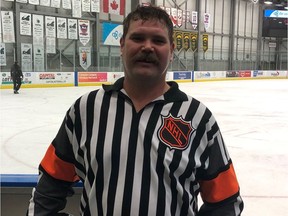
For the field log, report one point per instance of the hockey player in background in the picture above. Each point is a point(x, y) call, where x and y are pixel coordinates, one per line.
point(16, 76)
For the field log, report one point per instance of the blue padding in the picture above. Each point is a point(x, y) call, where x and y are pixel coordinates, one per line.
point(23, 180)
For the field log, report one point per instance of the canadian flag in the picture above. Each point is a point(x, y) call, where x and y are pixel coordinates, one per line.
point(114, 6)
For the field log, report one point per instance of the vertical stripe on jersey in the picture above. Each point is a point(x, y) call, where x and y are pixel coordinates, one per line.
point(146, 170)
point(88, 129)
point(99, 151)
point(129, 175)
point(116, 148)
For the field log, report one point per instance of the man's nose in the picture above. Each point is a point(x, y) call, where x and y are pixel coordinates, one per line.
point(148, 46)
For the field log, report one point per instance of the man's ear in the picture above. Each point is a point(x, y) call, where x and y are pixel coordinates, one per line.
point(121, 42)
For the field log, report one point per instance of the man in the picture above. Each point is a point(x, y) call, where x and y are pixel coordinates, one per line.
point(16, 76)
point(140, 146)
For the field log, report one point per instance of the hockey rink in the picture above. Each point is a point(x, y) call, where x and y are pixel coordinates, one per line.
point(252, 115)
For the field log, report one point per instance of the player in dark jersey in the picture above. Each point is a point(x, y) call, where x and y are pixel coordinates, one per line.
point(140, 146)
point(16, 76)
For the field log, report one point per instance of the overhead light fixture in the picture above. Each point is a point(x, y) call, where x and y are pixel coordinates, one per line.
point(268, 2)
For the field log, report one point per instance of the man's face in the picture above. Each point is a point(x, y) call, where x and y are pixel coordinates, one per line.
point(146, 50)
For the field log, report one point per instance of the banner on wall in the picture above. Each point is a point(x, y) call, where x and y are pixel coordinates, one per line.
point(95, 6)
point(55, 3)
point(86, 5)
point(194, 41)
point(116, 7)
point(38, 58)
point(2, 54)
point(194, 19)
point(186, 40)
point(111, 33)
point(34, 2)
point(205, 42)
point(66, 4)
point(84, 31)
point(7, 27)
point(76, 8)
point(50, 26)
point(22, 1)
point(174, 14)
point(178, 37)
point(45, 3)
point(72, 29)
point(38, 30)
point(51, 45)
point(85, 57)
point(61, 28)
point(207, 21)
point(25, 23)
point(26, 57)
point(179, 18)
point(0, 29)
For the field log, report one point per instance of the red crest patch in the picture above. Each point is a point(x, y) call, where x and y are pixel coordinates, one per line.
point(175, 132)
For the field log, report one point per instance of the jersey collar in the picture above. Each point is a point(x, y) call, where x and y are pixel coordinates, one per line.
point(172, 95)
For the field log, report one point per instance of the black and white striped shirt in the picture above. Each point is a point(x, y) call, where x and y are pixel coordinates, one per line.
point(151, 162)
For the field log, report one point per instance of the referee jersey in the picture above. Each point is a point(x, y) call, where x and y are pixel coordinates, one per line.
point(152, 162)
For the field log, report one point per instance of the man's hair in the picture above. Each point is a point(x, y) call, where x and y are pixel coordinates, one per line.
point(146, 13)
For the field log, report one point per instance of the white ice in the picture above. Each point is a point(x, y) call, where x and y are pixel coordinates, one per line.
point(252, 115)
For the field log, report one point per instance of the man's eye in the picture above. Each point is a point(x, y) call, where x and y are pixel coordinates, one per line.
point(159, 41)
point(136, 38)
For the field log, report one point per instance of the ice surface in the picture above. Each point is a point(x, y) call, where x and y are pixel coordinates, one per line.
point(252, 115)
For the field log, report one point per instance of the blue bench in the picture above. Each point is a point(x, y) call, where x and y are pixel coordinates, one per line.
point(23, 180)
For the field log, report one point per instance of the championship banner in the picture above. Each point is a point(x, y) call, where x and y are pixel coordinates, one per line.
point(66, 4)
point(51, 45)
point(178, 38)
point(194, 19)
point(50, 24)
point(179, 18)
point(85, 57)
point(206, 21)
point(186, 16)
point(72, 29)
point(194, 41)
point(84, 31)
point(7, 27)
point(174, 15)
point(38, 58)
point(111, 33)
point(2, 54)
point(0, 29)
point(55, 3)
point(116, 7)
point(45, 3)
point(61, 28)
point(22, 1)
point(38, 30)
point(186, 40)
point(34, 2)
point(86, 5)
point(95, 6)
point(26, 57)
point(25, 23)
point(205, 42)
point(76, 8)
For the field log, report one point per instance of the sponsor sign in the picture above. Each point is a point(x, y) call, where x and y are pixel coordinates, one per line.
point(90, 77)
point(244, 73)
point(182, 75)
point(2, 54)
